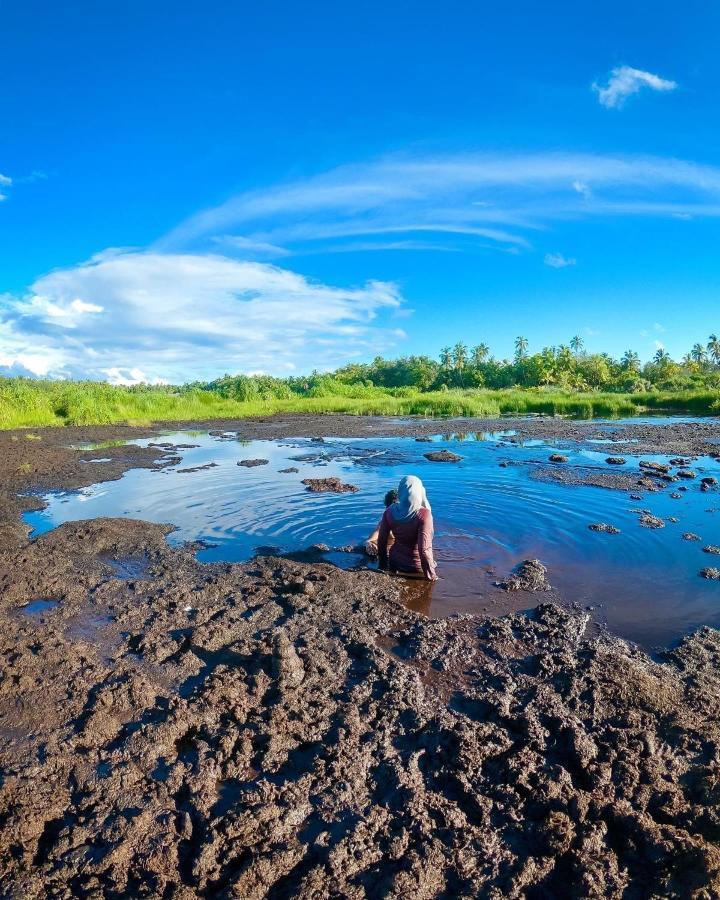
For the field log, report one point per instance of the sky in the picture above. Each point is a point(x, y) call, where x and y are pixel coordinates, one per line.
point(190, 189)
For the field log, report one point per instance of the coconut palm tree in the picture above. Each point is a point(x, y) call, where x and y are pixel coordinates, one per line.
point(446, 358)
point(577, 344)
point(698, 354)
point(662, 357)
point(713, 348)
point(480, 354)
point(521, 346)
point(460, 355)
point(630, 361)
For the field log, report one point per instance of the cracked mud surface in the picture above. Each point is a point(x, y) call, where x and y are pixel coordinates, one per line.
point(177, 730)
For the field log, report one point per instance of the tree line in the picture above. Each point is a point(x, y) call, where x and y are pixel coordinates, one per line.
point(567, 367)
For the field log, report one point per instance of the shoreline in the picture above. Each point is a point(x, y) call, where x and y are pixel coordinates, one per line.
point(277, 727)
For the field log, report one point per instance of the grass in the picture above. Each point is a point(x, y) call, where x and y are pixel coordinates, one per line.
point(26, 403)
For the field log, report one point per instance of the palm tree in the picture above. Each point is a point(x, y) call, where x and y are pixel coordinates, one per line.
point(577, 344)
point(698, 354)
point(630, 361)
point(521, 346)
point(445, 357)
point(662, 357)
point(713, 348)
point(480, 354)
point(460, 355)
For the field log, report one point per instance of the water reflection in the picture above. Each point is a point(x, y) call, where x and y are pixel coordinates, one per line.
point(490, 513)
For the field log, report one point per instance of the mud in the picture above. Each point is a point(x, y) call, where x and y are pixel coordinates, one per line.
point(530, 575)
point(442, 456)
point(177, 730)
point(329, 486)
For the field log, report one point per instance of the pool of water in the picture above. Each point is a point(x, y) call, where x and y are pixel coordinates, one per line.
point(642, 583)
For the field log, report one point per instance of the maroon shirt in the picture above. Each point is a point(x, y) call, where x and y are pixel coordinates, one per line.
point(412, 550)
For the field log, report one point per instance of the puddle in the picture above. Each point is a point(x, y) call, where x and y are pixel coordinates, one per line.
point(642, 583)
point(38, 607)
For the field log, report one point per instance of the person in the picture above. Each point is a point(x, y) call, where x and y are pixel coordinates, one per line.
point(409, 521)
point(371, 548)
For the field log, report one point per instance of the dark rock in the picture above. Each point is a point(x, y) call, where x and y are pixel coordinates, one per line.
point(711, 573)
point(691, 536)
point(660, 468)
point(649, 521)
point(616, 460)
point(711, 548)
point(686, 473)
point(251, 463)
point(604, 527)
point(558, 458)
point(288, 471)
point(329, 486)
point(442, 456)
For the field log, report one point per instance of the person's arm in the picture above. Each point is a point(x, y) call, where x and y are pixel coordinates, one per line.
point(371, 548)
point(383, 537)
point(424, 545)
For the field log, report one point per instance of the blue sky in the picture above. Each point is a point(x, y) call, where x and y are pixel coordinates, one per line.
point(193, 188)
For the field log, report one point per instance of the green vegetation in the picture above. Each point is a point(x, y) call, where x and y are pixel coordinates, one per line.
point(558, 380)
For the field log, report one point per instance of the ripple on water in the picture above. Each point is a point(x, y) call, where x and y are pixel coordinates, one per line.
point(486, 517)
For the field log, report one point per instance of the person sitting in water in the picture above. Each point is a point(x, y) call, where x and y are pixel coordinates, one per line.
point(371, 547)
point(409, 520)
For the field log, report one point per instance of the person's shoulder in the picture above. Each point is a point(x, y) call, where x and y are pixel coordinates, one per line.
point(424, 513)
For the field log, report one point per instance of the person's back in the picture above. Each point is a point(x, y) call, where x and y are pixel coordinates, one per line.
point(410, 522)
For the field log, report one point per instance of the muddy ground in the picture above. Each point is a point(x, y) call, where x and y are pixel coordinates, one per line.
point(177, 730)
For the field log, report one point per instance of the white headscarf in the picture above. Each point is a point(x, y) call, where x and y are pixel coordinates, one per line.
point(411, 498)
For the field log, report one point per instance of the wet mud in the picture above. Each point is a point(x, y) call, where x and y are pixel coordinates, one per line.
point(174, 729)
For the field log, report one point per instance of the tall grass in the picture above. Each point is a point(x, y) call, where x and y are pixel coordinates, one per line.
point(30, 403)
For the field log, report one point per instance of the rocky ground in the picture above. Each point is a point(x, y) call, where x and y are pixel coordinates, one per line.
point(177, 730)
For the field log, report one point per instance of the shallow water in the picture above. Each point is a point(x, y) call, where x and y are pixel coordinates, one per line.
point(642, 583)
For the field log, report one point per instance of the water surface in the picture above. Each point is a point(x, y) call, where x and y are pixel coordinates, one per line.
point(644, 584)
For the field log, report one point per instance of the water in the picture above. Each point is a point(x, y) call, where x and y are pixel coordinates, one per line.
point(642, 583)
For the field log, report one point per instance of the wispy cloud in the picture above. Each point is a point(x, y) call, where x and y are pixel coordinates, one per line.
point(462, 202)
point(168, 315)
point(558, 261)
point(624, 81)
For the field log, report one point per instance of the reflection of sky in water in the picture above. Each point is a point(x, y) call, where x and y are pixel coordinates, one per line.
point(485, 515)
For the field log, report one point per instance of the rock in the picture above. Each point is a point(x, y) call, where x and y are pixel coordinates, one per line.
point(711, 548)
point(635, 496)
point(648, 484)
point(529, 575)
point(660, 468)
point(558, 458)
point(604, 527)
point(679, 461)
point(251, 463)
point(708, 483)
point(210, 465)
point(329, 486)
point(320, 548)
point(673, 519)
point(616, 460)
point(686, 473)
point(711, 573)
point(691, 536)
point(676, 495)
point(423, 440)
point(288, 471)
point(649, 521)
point(442, 456)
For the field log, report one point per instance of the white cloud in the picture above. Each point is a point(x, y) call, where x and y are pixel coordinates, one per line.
point(5, 180)
point(624, 81)
point(591, 332)
point(462, 202)
point(177, 317)
point(247, 247)
point(659, 345)
point(582, 188)
point(658, 327)
point(558, 261)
